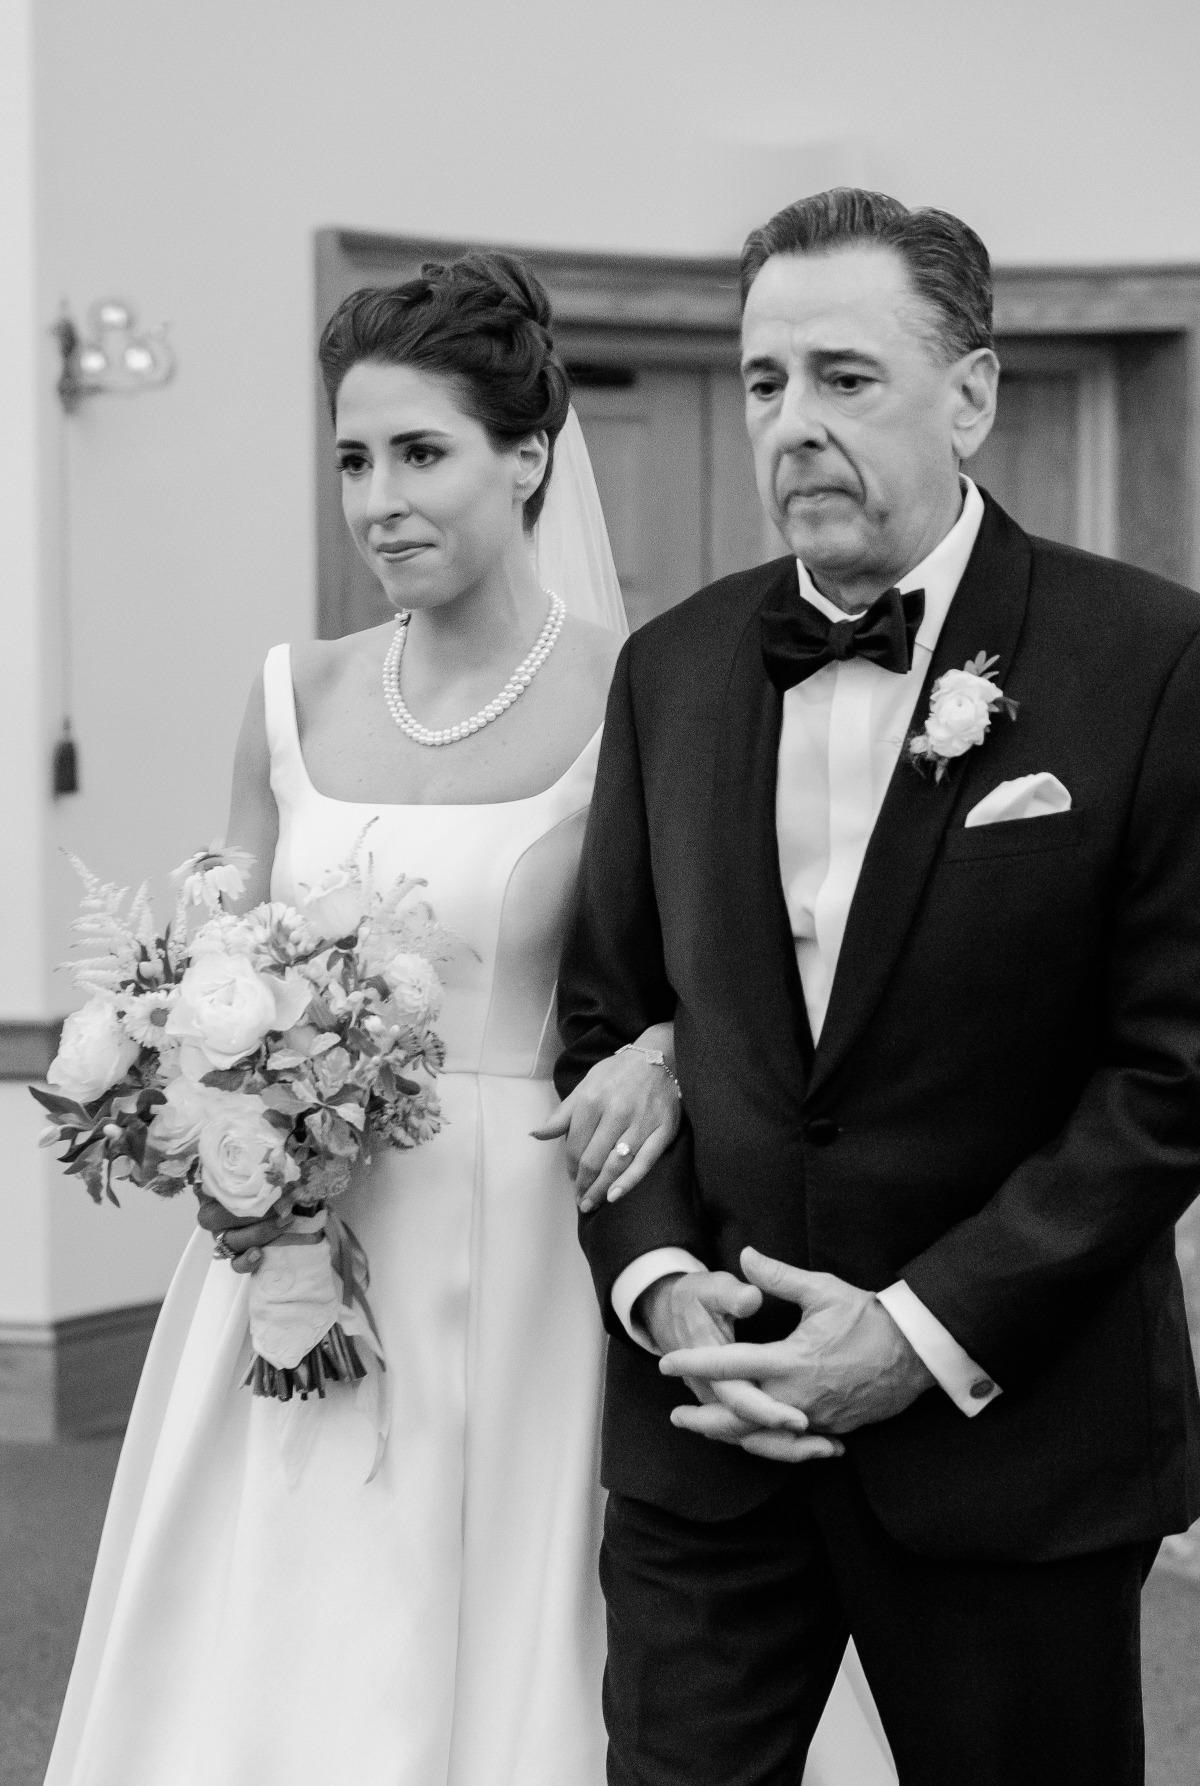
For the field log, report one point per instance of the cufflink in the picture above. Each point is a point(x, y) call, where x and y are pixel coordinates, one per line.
point(981, 1388)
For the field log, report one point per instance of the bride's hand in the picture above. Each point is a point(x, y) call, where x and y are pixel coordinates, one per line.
point(238, 1239)
point(618, 1121)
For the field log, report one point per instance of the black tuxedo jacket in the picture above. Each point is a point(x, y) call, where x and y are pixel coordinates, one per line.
point(1004, 1108)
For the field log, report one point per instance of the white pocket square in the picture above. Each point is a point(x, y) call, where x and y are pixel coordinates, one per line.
point(1028, 797)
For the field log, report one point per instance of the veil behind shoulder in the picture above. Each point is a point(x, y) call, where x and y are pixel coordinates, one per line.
point(570, 542)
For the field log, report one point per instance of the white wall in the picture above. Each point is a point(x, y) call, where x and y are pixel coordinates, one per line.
point(22, 942)
point(186, 153)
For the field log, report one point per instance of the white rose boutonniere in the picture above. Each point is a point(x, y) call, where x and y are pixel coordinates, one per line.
point(962, 705)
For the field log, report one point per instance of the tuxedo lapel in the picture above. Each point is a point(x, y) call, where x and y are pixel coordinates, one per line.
point(754, 949)
point(985, 615)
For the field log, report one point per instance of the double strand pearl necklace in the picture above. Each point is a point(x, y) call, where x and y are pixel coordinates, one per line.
point(513, 689)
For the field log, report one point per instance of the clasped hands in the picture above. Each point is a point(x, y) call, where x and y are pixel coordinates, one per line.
point(846, 1364)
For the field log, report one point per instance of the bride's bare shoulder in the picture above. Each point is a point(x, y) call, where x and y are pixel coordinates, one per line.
point(589, 651)
point(321, 668)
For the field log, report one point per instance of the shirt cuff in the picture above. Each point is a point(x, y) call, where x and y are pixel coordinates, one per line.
point(968, 1386)
point(664, 1261)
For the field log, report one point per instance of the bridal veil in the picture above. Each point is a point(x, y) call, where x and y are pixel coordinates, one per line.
point(570, 542)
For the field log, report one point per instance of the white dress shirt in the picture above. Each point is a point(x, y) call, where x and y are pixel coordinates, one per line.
point(843, 730)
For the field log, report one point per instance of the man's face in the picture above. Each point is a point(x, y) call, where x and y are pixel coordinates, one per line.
point(857, 422)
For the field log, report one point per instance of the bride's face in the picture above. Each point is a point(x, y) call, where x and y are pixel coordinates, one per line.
point(432, 505)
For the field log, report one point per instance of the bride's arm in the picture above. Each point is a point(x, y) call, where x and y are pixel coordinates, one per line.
point(253, 815)
point(253, 827)
point(626, 1102)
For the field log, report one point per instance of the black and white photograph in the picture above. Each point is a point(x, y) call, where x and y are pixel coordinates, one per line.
point(600, 893)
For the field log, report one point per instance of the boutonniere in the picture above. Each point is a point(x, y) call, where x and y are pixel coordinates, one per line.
point(962, 705)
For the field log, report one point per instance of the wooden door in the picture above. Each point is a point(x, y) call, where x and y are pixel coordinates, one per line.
point(643, 433)
point(676, 479)
point(1051, 457)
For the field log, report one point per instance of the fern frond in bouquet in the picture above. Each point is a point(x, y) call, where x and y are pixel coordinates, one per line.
point(256, 1057)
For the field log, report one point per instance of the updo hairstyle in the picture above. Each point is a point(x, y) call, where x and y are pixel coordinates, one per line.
point(483, 321)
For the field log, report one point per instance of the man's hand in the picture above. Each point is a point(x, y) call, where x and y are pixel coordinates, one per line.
point(846, 1365)
point(691, 1314)
point(239, 1240)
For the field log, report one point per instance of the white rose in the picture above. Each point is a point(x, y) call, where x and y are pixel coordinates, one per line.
point(226, 1008)
point(334, 905)
point(415, 988)
point(93, 1054)
point(960, 711)
point(175, 1126)
point(242, 1157)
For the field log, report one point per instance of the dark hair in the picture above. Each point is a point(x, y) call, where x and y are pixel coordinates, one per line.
point(947, 263)
point(483, 321)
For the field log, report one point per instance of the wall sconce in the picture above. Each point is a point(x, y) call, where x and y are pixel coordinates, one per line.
point(117, 357)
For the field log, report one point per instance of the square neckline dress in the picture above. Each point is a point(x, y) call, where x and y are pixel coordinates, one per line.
point(441, 1625)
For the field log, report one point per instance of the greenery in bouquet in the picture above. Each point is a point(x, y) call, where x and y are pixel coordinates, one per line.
point(256, 1057)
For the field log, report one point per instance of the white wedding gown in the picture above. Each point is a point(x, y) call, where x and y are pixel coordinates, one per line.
point(441, 1625)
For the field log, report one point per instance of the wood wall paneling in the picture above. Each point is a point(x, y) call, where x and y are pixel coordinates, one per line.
point(1158, 435)
point(73, 1378)
point(26, 1049)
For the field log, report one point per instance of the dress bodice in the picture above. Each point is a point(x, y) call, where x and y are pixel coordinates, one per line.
point(499, 877)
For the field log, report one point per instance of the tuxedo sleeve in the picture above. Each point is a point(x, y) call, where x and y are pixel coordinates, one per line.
point(613, 985)
point(1013, 1282)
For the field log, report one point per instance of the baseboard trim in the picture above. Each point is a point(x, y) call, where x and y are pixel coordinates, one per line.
point(74, 1378)
point(26, 1049)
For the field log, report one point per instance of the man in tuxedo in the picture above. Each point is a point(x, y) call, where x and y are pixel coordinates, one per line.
point(898, 1342)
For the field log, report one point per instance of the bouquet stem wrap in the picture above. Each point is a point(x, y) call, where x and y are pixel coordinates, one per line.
point(309, 1315)
point(257, 1058)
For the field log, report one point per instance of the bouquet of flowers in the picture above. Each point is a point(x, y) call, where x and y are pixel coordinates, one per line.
point(256, 1057)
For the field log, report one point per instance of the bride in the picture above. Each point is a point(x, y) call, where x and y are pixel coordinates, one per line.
point(441, 1625)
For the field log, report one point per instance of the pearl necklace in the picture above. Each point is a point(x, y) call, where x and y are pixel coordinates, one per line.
point(513, 689)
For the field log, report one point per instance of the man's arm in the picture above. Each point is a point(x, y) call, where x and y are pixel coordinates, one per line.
point(1012, 1281)
point(612, 986)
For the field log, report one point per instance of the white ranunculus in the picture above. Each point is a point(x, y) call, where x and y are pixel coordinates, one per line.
point(225, 1007)
point(334, 904)
point(175, 1126)
point(415, 988)
point(242, 1156)
point(960, 711)
point(94, 1052)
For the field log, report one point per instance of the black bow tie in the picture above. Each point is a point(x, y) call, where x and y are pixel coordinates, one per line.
point(797, 642)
